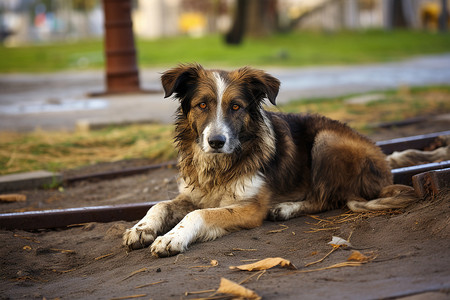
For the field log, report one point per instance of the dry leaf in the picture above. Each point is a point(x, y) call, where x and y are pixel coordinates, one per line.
point(232, 288)
point(266, 264)
point(358, 256)
point(339, 242)
point(214, 263)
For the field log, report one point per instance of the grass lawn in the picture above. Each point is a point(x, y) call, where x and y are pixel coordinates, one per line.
point(55, 151)
point(289, 50)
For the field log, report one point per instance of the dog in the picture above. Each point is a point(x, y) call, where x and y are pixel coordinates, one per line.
point(240, 164)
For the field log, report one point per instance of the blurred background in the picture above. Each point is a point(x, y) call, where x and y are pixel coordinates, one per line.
point(79, 79)
point(33, 21)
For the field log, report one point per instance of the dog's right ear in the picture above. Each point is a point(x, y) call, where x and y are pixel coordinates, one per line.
point(180, 80)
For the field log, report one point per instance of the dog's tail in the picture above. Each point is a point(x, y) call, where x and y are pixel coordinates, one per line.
point(413, 157)
point(391, 197)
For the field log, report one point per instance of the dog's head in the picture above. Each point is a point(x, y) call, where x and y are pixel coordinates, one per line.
point(218, 105)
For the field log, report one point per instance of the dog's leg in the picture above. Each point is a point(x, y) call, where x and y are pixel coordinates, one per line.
point(288, 210)
point(391, 197)
point(159, 219)
point(208, 224)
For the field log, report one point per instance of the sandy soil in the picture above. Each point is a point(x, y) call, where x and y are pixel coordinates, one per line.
point(409, 249)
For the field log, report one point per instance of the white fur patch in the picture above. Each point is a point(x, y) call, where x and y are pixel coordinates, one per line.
point(190, 229)
point(249, 187)
point(218, 125)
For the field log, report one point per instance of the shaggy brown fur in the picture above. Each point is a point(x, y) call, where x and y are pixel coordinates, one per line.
point(240, 164)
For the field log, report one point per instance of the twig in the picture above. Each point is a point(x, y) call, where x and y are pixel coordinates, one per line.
point(199, 292)
point(279, 230)
point(103, 256)
point(339, 265)
point(321, 229)
point(323, 258)
point(62, 272)
point(26, 238)
point(149, 284)
point(129, 297)
point(134, 273)
point(251, 276)
point(240, 249)
point(62, 250)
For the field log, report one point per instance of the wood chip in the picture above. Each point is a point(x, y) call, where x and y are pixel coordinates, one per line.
point(13, 198)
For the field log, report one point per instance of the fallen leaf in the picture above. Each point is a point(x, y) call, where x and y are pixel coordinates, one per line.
point(266, 264)
point(214, 263)
point(339, 242)
point(358, 256)
point(232, 288)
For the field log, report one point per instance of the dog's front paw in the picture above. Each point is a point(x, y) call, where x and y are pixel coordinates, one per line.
point(277, 213)
point(167, 245)
point(138, 236)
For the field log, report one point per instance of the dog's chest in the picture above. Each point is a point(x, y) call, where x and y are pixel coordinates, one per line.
point(210, 193)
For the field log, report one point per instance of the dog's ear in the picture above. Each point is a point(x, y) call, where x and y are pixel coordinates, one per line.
point(262, 85)
point(180, 80)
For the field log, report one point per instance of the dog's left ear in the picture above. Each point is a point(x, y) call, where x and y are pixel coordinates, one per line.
point(180, 80)
point(262, 85)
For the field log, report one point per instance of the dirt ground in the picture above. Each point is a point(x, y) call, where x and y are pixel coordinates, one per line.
point(409, 250)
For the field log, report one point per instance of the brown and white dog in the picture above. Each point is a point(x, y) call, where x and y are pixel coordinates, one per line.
point(240, 164)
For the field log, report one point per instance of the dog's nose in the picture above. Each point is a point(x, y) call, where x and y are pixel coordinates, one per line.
point(217, 141)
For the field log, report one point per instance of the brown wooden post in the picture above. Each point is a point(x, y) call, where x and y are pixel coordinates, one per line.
point(122, 73)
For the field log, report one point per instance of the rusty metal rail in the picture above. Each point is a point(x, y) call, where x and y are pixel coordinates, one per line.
point(129, 212)
point(404, 175)
point(57, 218)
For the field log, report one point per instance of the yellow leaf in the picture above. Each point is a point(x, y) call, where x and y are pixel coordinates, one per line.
point(358, 256)
point(232, 288)
point(265, 264)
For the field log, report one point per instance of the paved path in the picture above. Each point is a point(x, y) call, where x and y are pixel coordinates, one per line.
point(59, 100)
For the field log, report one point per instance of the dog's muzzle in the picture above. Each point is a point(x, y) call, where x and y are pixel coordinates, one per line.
point(217, 141)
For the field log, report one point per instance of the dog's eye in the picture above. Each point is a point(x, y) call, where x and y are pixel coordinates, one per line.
point(235, 107)
point(203, 105)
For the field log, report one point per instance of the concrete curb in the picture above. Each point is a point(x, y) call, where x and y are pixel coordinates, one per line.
point(29, 180)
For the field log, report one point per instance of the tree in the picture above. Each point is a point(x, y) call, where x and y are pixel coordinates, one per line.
point(256, 18)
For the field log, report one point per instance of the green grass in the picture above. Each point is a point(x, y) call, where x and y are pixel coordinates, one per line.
point(390, 106)
point(56, 151)
point(289, 50)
